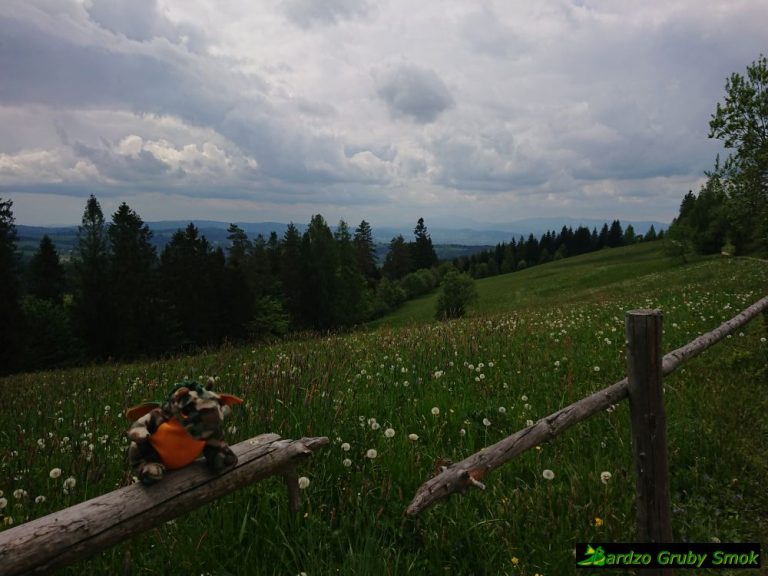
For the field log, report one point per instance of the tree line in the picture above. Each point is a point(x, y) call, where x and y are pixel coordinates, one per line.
point(119, 298)
point(730, 211)
point(523, 253)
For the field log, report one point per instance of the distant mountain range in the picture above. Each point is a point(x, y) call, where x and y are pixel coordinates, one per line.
point(449, 241)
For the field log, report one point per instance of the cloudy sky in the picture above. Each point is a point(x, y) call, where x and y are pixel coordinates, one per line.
point(387, 110)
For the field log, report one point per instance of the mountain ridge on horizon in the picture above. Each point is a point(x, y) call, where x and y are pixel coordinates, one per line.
point(471, 233)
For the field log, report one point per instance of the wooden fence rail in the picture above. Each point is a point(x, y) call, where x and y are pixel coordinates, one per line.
point(471, 471)
point(75, 533)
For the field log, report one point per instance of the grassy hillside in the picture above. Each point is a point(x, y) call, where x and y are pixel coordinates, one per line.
point(538, 341)
point(583, 278)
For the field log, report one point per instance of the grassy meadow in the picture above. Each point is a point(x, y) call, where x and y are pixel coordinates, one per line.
point(399, 396)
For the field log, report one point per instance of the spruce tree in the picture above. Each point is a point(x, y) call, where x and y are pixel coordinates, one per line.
point(10, 310)
point(365, 253)
point(424, 255)
point(45, 275)
point(91, 304)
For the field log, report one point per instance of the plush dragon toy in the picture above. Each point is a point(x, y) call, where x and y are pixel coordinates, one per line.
point(172, 434)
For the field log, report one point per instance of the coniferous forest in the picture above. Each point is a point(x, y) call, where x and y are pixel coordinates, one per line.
point(119, 299)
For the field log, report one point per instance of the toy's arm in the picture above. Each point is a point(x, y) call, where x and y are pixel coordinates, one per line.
point(144, 427)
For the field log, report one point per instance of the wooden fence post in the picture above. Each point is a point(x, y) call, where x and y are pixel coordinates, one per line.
point(649, 435)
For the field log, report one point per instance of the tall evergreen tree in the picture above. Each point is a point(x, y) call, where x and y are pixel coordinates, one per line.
point(424, 255)
point(350, 302)
point(10, 309)
point(91, 304)
point(45, 275)
point(319, 259)
point(398, 261)
point(134, 286)
point(615, 235)
point(365, 253)
point(190, 270)
point(291, 273)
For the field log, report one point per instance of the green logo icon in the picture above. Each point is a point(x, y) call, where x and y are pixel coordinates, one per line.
point(593, 557)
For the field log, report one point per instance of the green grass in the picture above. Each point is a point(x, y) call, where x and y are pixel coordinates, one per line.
point(537, 341)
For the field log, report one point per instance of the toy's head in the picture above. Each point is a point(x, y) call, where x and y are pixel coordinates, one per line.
point(199, 409)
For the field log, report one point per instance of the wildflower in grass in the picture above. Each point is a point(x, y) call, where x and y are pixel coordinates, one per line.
point(462, 432)
point(526, 406)
point(529, 422)
point(762, 339)
point(40, 500)
point(486, 422)
point(435, 411)
point(548, 474)
point(55, 473)
point(515, 560)
point(597, 522)
point(375, 425)
point(596, 368)
point(345, 447)
point(524, 398)
point(413, 437)
point(605, 477)
point(346, 462)
point(69, 484)
point(3, 503)
point(389, 432)
point(557, 363)
point(8, 521)
point(19, 494)
point(303, 482)
point(371, 453)
point(502, 410)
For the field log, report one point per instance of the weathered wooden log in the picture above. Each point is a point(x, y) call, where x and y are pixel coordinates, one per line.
point(694, 347)
point(72, 534)
point(471, 470)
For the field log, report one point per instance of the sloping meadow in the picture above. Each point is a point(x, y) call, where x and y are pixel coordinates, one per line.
point(399, 403)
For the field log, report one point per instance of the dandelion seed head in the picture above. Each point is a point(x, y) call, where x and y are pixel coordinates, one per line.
point(413, 437)
point(55, 473)
point(345, 447)
point(605, 477)
point(389, 432)
point(346, 462)
point(435, 411)
point(303, 482)
point(548, 474)
point(371, 453)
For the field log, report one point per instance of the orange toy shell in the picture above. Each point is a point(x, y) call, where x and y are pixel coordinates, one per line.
point(174, 444)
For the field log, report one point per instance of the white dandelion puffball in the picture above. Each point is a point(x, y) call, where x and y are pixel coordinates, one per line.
point(345, 447)
point(303, 482)
point(413, 437)
point(435, 411)
point(389, 432)
point(55, 473)
point(548, 474)
point(605, 477)
point(371, 453)
point(346, 462)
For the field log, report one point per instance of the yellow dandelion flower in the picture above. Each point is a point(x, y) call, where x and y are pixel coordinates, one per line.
point(515, 560)
point(597, 522)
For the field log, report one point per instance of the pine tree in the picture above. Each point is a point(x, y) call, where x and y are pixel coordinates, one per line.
point(134, 285)
point(319, 261)
point(290, 273)
point(365, 253)
point(45, 275)
point(91, 304)
point(398, 261)
point(350, 296)
point(10, 310)
point(424, 255)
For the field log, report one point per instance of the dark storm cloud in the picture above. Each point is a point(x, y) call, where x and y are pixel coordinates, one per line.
point(414, 93)
point(308, 13)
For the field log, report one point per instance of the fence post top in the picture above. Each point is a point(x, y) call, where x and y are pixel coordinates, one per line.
point(645, 312)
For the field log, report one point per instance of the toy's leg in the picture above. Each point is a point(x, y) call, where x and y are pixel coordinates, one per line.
point(219, 455)
point(145, 462)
